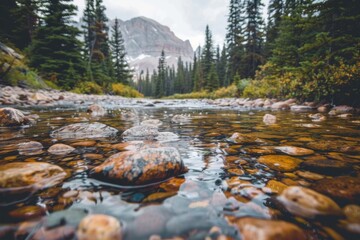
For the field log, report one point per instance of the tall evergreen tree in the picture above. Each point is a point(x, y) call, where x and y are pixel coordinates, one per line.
point(97, 49)
point(235, 38)
point(121, 67)
point(161, 75)
point(7, 19)
point(18, 20)
point(55, 47)
point(254, 55)
point(221, 61)
point(180, 77)
point(88, 29)
point(207, 54)
point(275, 13)
point(212, 79)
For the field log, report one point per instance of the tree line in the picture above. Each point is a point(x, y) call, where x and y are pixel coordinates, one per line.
point(307, 49)
point(46, 32)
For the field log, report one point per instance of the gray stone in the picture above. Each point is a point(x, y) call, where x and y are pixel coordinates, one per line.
point(84, 130)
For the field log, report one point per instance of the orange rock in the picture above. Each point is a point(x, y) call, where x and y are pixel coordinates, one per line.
point(252, 228)
point(280, 163)
point(149, 165)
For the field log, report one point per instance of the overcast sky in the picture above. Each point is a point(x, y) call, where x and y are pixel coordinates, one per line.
point(186, 18)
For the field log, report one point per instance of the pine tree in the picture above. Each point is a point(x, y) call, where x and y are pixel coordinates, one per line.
point(235, 38)
point(199, 78)
point(275, 13)
point(180, 77)
point(7, 20)
point(207, 54)
point(18, 20)
point(97, 49)
point(161, 75)
point(88, 29)
point(221, 61)
point(212, 79)
point(55, 47)
point(254, 55)
point(121, 67)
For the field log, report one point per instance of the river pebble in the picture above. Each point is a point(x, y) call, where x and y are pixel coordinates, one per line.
point(99, 227)
point(307, 203)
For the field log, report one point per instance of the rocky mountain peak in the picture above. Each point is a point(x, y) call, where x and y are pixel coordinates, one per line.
point(145, 39)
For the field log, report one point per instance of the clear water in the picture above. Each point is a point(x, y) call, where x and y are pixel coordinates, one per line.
point(190, 205)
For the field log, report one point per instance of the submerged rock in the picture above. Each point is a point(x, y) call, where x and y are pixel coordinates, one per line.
point(253, 228)
point(280, 105)
point(275, 186)
point(27, 212)
point(242, 138)
point(180, 119)
point(147, 166)
point(294, 151)
point(269, 119)
point(21, 174)
point(84, 130)
point(342, 109)
point(307, 203)
point(96, 110)
point(301, 108)
point(327, 167)
point(280, 162)
point(142, 132)
point(317, 117)
point(60, 149)
point(99, 226)
point(152, 122)
point(30, 148)
point(167, 137)
point(342, 189)
point(13, 117)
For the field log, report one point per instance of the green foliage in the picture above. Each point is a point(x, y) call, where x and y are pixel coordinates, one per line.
point(224, 92)
point(55, 49)
point(88, 88)
point(125, 90)
point(241, 84)
point(14, 72)
point(121, 67)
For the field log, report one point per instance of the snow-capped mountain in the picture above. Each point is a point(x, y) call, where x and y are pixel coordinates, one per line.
point(145, 39)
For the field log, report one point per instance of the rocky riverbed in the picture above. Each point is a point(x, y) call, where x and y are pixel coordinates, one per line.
point(105, 167)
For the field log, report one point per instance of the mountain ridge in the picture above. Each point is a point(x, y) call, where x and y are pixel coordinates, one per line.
point(145, 38)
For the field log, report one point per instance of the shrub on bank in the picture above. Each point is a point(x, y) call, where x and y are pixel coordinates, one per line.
point(224, 92)
point(88, 88)
point(14, 72)
point(125, 91)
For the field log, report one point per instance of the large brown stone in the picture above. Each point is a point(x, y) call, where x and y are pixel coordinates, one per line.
point(146, 166)
point(13, 117)
point(342, 189)
point(60, 149)
point(280, 163)
point(307, 203)
point(294, 151)
point(30, 148)
point(22, 174)
point(328, 167)
point(253, 228)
